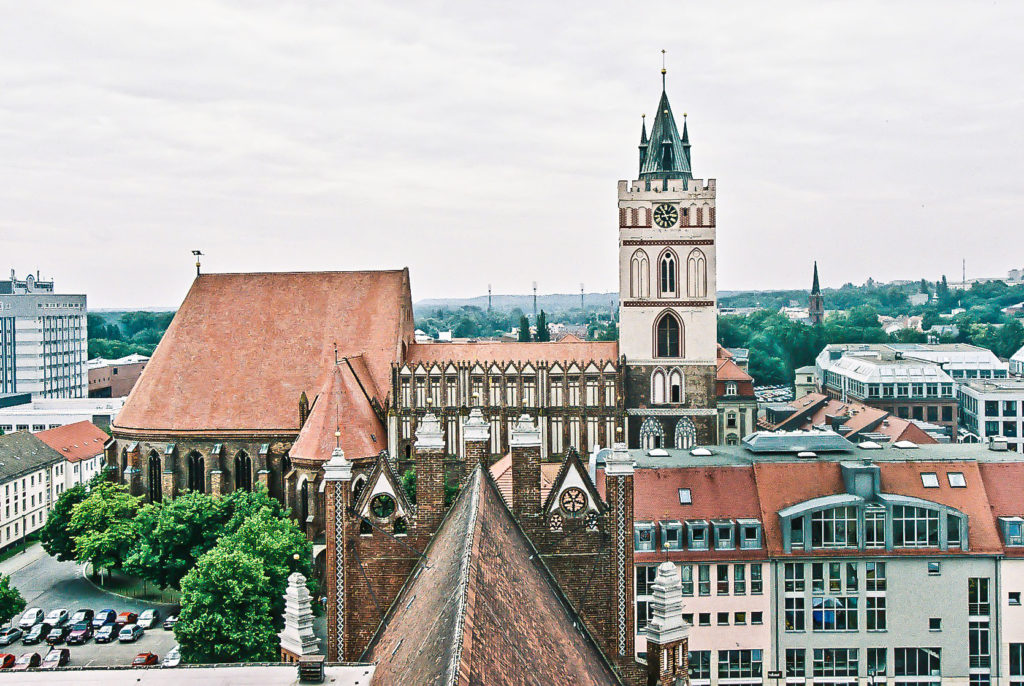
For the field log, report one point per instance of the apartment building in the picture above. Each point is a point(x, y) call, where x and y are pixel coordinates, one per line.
point(31, 477)
point(43, 343)
point(895, 563)
point(992, 409)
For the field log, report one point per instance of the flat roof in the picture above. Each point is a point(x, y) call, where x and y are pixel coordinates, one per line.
point(269, 674)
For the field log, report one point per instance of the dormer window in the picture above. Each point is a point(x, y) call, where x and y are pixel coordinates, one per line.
point(643, 536)
point(731, 388)
point(750, 534)
point(1013, 530)
point(671, 535)
point(697, 535)
point(724, 534)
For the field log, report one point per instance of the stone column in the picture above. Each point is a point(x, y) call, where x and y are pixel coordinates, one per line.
point(667, 634)
point(477, 435)
point(430, 477)
point(337, 485)
point(216, 482)
point(167, 483)
point(133, 472)
point(618, 479)
point(525, 447)
point(297, 638)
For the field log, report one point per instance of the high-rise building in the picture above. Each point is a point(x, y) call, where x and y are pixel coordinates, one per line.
point(43, 341)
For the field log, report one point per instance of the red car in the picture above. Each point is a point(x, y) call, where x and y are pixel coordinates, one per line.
point(126, 618)
point(27, 660)
point(145, 660)
point(7, 660)
point(58, 657)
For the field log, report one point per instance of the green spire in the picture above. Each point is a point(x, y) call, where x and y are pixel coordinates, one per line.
point(815, 288)
point(667, 155)
point(686, 143)
point(643, 140)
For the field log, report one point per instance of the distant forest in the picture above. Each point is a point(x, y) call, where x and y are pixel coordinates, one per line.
point(117, 334)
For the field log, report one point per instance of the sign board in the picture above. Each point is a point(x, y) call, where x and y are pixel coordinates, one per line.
point(775, 675)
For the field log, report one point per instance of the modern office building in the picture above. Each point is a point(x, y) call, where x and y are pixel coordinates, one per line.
point(992, 409)
point(43, 342)
point(37, 415)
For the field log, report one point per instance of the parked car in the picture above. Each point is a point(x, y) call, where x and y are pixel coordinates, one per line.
point(36, 634)
point(9, 636)
point(82, 615)
point(149, 619)
point(58, 657)
point(106, 633)
point(27, 660)
point(7, 660)
point(80, 633)
point(126, 618)
point(103, 617)
point(58, 617)
point(172, 658)
point(145, 659)
point(170, 622)
point(58, 635)
point(30, 617)
point(130, 633)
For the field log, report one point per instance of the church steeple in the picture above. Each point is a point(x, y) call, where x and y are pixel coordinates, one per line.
point(643, 140)
point(667, 155)
point(686, 143)
point(816, 303)
point(815, 288)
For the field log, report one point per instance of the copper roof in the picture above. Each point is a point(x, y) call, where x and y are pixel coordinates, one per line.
point(464, 618)
point(563, 351)
point(341, 405)
point(243, 347)
point(76, 442)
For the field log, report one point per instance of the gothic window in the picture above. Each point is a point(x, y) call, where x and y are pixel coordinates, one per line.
point(303, 504)
point(696, 274)
point(243, 471)
point(686, 433)
point(155, 487)
point(658, 387)
point(196, 472)
point(667, 269)
point(639, 275)
point(557, 437)
point(124, 463)
point(530, 391)
point(652, 434)
point(675, 386)
point(357, 487)
point(668, 333)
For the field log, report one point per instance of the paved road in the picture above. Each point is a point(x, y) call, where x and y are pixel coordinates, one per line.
point(49, 584)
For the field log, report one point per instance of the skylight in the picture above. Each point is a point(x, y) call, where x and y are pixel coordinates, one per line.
point(957, 480)
point(685, 498)
point(929, 480)
point(700, 452)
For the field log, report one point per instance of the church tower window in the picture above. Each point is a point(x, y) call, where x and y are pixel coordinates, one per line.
point(652, 434)
point(658, 387)
point(668, 274)
point(669, 338)
point(675, 387)
point(639, 275)
point(696, 274)
point(686, 433)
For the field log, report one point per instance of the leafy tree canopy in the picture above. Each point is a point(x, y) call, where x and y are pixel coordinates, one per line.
point(103, 525)
point(11, 602)
point(56, 536)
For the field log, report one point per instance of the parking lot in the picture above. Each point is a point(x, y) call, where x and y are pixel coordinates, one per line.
point(48, 584)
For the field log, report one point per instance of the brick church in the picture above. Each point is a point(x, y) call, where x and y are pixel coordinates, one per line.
point(312, 384)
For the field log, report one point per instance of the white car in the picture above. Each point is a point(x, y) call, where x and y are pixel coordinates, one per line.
point(172, 658)
point(149, 619)
point(58, 617)
point(30, 618)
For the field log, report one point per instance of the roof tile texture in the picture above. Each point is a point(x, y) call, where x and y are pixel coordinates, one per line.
point(76, 442)
point(550, 352)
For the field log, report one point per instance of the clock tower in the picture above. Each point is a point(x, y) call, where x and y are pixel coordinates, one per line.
point(667, 300)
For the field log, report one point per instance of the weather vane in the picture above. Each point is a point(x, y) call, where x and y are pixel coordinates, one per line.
point(198, 254)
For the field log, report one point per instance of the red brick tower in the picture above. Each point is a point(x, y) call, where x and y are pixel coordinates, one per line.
point(337, 501)
point(618, 486)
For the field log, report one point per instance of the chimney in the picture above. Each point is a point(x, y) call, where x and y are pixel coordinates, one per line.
point(477, 434)
point(667, 633)
point(525, 446)
point(430, 476)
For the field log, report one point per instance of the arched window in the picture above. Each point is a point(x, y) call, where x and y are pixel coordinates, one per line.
point(667, 269)
point(696, 274)
point(357, 487)
point(686, 434)
point(639, 275)
point(243, 471)
point(668, 336)
point(156, 493)
point(196, 472)
point(302, 510)
point(124, 463)
point(658, 387)
point(652, 434)
point(675, 386)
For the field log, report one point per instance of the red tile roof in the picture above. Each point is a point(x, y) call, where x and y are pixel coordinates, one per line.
point(76, 442)
point(564, 351)
point(815, 409)
point(1002, 483)
point(341, 405)
point(464, 618)
point(501, 472)
point(730, 371)
point(243, 347)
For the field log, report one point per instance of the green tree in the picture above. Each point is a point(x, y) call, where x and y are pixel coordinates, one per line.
point(173, 535)
point(226, 610)
point(542, 327)
point(524, 329)
point(240, 505)
point(409, 484)
point(103, 526)
point(280, 546)
point(56, 535)
point(11, 602)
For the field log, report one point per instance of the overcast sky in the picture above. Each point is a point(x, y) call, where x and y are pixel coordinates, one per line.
point(480, 142)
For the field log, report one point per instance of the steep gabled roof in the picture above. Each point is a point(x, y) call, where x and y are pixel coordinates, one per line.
point(275, 332)
point(730, 371)
point(576, 473)
point(481, 608)
point(665, 156)
point(76, 442)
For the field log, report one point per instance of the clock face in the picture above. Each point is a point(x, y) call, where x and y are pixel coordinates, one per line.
point(573, 500)
point(665, 215)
